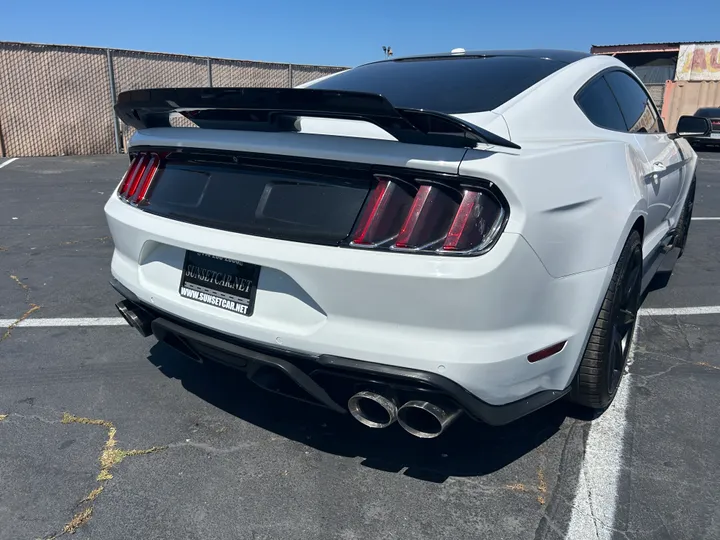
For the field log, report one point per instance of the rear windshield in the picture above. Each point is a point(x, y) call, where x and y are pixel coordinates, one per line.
point(709, 112)
point(451, 85)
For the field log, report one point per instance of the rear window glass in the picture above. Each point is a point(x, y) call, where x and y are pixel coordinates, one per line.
point(451, 85)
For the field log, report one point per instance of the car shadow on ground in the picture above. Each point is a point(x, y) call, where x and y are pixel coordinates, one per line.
point(467, 448)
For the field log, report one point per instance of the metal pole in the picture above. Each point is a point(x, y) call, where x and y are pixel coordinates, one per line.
point(113, 97)
point(290, 75)
point(209, 66)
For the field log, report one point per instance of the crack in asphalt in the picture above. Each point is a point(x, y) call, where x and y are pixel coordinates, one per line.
point(110, 456)
point(597, 521)
point(8, 332)
point(22, 285)
point(32, 308)
point(679, 362)
point(553, 526)
point(542, 486)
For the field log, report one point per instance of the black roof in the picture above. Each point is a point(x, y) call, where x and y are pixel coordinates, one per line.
point(449, 83)
point(558, 55)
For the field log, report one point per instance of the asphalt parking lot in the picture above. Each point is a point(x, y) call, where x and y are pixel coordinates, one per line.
point(109, 435)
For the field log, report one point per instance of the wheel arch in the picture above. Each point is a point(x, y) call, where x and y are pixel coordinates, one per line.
point(639, 226)
point(635, 222)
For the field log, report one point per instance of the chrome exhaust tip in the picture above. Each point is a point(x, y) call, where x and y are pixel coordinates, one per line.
point(372, 410)
point(136, 317)
point(426, 420)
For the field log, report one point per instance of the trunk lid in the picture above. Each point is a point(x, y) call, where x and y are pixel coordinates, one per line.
point(291, 186)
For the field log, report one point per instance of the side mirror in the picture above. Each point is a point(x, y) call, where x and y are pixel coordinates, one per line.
point(692, 126)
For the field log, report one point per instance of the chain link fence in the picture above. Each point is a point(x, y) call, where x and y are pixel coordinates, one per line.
point(58, 100)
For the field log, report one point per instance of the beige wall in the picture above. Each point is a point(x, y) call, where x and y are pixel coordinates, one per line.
point(56, 99)
point(686, 97)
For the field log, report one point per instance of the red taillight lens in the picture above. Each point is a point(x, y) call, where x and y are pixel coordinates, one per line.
point(477, 214)
point(383, 213)
point(139, 177)
point(130, 176)
point(146, 179)
point(437, 219)
point(139, 174)
point(428, 220)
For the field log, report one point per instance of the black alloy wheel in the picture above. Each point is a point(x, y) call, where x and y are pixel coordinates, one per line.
point(684, 221)
point(601, 366)
point(624, 319)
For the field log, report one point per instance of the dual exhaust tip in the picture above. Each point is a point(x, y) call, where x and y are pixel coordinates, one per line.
point(419, 418)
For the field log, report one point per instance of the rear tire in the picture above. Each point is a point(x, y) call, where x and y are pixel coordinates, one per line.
point(681, 235)
point(602, 365)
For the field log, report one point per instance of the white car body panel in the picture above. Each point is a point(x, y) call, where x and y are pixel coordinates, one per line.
point(354, 303)
point(574, 192)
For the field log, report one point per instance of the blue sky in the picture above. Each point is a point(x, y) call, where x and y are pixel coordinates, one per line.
point(352, 32)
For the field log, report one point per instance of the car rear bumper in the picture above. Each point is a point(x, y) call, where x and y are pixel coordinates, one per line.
point(270, 367)
point(471, 321)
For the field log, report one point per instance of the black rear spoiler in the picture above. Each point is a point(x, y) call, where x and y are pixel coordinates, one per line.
point(277, 109)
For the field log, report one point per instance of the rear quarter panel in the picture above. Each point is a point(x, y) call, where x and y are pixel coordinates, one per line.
point(573, 201)
point(575, 190)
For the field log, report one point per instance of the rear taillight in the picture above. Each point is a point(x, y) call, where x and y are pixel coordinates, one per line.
point(383, 213)
point(139, 177)
point(428, 217)
point(477, 216)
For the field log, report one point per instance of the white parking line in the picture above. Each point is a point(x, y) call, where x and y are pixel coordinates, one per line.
point(596, 494)
point(664, 312)
point(593, 511)
point(8, 162)
point(81, 321)
point(705, 219)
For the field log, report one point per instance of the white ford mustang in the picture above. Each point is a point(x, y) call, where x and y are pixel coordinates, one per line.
point(408, 240)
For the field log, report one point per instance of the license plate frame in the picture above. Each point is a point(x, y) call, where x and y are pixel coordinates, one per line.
point(227, 284)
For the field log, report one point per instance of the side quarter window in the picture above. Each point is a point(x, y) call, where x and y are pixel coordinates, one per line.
point(635, 103)
point(598, 103)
